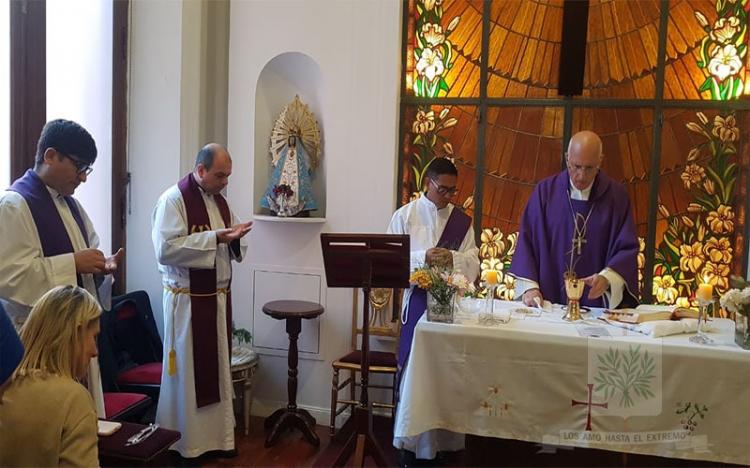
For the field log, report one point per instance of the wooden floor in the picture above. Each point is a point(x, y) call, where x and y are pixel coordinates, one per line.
point(293, 450)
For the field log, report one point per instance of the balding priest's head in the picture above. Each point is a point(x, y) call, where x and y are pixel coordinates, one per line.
point(213, 166)
point(584, 157)
point(64, 155)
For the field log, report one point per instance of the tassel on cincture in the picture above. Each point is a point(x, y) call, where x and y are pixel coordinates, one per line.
point(172, 370)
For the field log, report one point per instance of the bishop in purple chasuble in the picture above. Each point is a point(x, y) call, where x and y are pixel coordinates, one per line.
point(546, 239)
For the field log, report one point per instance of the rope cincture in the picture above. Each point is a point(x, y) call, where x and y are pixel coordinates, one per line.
point(172, 362)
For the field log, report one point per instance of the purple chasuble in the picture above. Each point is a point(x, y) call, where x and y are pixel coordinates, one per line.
point(49, 224)
point(546, 237)
point(453, 235)
point(203, 297)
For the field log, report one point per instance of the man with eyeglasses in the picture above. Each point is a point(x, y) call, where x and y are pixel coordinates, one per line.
point(440, 235)
point(48, 239)
point(579, 219)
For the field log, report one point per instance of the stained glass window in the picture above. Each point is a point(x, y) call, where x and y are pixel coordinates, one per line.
point(698, 231)
point(524, 48)
point(500, 118)
point(439, 132)
point(443, 49)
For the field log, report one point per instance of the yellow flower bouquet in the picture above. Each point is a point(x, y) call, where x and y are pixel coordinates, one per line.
point(442, 286)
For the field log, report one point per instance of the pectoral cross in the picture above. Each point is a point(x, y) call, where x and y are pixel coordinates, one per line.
point(578, 241)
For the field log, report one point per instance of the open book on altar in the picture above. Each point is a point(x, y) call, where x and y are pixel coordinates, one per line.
point(649, 313)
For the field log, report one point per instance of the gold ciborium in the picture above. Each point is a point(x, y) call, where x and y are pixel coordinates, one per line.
point(574, 290)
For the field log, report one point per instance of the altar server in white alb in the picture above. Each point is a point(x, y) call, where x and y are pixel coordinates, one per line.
point(46, 237)
point(196, 237)
point(440, 234)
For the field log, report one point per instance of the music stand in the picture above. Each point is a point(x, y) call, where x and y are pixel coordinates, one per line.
point(365, 261)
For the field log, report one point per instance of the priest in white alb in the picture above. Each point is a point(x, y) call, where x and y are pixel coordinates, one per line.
point(48, 239)
point(196, 237)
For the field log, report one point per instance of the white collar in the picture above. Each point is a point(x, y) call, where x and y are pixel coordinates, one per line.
point(576, 194)
point(54, 193)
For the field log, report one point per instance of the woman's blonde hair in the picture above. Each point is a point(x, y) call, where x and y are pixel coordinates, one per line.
point(53, 332)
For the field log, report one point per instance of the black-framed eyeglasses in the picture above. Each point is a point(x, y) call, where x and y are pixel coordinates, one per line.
point(81, 167)
point(443, 190)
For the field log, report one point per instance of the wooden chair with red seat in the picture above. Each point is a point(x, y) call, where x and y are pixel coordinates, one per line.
point(130, 352)
point(118, 405)
point(136, 344)
point(123, 406)
point(381, 362)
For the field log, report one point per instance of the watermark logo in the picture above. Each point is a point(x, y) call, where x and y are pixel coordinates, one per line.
point(624, 379)
point(627, 376)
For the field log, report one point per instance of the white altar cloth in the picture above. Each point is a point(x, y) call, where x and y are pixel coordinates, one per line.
point(533, 378)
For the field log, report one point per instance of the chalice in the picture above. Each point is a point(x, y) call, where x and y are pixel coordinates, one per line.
point(574, 290)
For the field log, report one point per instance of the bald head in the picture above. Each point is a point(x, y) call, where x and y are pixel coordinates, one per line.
point(208, 153)
point(584, 158)
point(213, 166)
point(586, 143)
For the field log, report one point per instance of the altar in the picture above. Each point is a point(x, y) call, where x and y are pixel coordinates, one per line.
point(588, 384)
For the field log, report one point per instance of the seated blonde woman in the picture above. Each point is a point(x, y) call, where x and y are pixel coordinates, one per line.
point(47, 417)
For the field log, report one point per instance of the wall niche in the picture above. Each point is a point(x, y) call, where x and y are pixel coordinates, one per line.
point(283, 77)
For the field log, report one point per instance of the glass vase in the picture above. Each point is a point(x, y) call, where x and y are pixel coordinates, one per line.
point(440, 311)
point(702, 337)
point(487, 316)
point(741, 332)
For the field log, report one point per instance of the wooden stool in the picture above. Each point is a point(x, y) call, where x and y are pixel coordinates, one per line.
point(291, 416)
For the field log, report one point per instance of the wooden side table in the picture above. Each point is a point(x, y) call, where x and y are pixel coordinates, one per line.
point(243, 373)
point(291, 416)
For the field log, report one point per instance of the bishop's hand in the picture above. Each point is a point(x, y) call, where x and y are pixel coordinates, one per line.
point(530, 295)
point(112, 262)
point(598, 285)
point(440, 257)
point(238, 231)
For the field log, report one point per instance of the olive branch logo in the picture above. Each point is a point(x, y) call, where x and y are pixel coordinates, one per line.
point(628, 373)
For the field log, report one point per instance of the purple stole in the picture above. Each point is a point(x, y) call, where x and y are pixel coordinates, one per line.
point(203, 298)
point(453, 235)
point(49, 224)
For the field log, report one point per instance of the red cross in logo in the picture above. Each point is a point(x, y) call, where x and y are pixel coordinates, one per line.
point(589, 404)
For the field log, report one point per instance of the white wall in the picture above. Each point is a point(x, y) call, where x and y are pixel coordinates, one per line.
point(154, 132)
point(357, 47)
point(79, 87)
point(177, 88)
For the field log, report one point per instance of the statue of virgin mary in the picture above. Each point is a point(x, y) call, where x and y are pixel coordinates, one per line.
point(295, 149)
